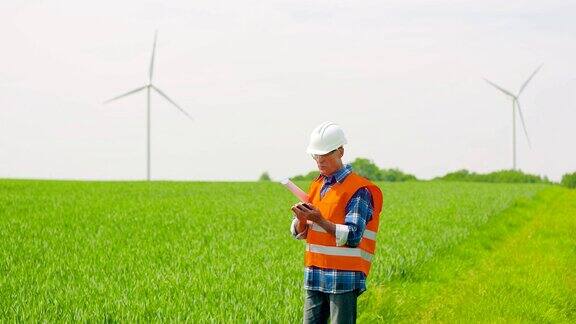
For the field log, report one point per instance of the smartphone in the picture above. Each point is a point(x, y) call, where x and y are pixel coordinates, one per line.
point(306, 206)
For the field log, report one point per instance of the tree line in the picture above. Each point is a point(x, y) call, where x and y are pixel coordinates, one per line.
point(368, 169)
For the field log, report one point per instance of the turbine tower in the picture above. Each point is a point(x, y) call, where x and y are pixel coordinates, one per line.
point(149, 87)
point(516, 104)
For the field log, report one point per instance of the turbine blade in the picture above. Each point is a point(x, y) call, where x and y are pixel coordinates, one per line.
point(151, 69)
point(172, 102)
point(125, 94)
point(530, 78)
point(523, 123)
point(499, 88)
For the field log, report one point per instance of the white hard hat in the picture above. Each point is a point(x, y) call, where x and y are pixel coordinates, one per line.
point(326, 137)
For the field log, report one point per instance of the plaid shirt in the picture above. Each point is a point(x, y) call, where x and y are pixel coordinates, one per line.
point(358, 213)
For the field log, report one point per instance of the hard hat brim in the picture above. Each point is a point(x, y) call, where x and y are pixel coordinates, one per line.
point(310, 150)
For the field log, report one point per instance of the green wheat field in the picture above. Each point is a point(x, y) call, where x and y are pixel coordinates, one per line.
point(222, 252)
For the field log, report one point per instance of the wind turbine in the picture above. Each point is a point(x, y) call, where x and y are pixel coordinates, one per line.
point(148, 88)
point(516, 103)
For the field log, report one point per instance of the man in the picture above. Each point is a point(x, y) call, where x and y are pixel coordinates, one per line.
point(340, 225)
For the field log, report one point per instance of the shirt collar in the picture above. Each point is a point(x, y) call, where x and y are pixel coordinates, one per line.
point(339, 175)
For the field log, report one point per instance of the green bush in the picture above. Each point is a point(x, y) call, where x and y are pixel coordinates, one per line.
point(569, 180)
point(307, 177)
point(460, 175)
point(265, 177)
point(395, 175)
point(367, 169)
point(502, 176)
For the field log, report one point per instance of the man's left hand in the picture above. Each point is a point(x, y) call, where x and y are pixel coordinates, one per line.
point(309, 212)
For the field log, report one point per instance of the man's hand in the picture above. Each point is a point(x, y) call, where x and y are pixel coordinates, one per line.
point(301, 216)
point(306, 212)
point(309, 212)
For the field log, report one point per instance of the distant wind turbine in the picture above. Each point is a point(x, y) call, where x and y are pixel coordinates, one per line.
point(516, 103)
point(148, 87)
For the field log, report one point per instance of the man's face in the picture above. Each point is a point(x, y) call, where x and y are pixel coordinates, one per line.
point(330, 162)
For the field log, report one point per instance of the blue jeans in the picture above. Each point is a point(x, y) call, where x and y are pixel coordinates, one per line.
point(340, 308)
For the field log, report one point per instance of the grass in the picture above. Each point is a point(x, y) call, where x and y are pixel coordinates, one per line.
point(517, 268)
point(126, 251)
point(526, 277)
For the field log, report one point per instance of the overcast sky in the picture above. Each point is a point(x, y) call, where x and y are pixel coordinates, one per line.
point(403, 78)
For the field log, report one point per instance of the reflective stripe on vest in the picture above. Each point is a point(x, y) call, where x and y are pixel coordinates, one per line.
point(339, 251)
point(368, 234)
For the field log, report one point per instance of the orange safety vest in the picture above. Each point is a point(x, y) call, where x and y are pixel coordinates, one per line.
point(321, 249)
